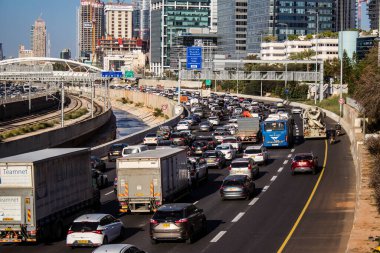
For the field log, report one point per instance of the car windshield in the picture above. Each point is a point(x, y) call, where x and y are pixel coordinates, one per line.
point(116, 147)
point(199, 143)
point(84, 226)
point(230, 141)
point(252, 151)
point(239, 165)
point(222, 148)
point(233, 183)
point(274, 126)
point(151, 135)
point(168, 215)
point(129, 151)
point(303, 157)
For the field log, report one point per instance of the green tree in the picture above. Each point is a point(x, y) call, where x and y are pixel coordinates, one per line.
point(292, 37)
point(269, 38)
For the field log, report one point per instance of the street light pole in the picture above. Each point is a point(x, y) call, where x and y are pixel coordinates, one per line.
point(286, 57)
point(179, 80)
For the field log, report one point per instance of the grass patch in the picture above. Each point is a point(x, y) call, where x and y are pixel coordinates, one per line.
point(76, 114)
point(330, 104)
point(166, 116)
point(27, 129)
point(158, 112)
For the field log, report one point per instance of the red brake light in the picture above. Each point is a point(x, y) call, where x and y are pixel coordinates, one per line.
point(97, 232)
point(70, 232)
point(181, 221)
point(260, 154)
point(152, 221)
point(250, 166)
point(229, 167)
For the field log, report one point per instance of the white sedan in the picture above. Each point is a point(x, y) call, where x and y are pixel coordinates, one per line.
point(228, 151)
point(258, 153)
point(94, 230)
point(296, 110)
point(214, 120)
point(183, 125)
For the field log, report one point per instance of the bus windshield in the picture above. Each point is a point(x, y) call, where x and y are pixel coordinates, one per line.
point(274, 126)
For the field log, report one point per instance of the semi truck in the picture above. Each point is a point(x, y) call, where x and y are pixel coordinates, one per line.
point(313, 123)
point(42, 192)
point(248, 129)
point(151, 178)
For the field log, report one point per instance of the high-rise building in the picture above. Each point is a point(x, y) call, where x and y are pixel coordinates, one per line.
point(373, 14)
point(297, 17)
point(232, 27)
point(118, 18)
point(170, 18)
point(346, 15)
point(214, 16)
point(1, 51)
point(38, 38)
point(65, 54)
point(90, 25)
point(23, 53)
point(141, 19)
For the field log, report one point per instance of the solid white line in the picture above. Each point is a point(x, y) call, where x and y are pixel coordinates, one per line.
point(290, 155)
point(253, 201)
point(218, 236)
point(265, 188)
point(286, 161)
point(292, 150)
point(238, 217)
point(195, 202)
point(273, 178)
point(108, 193)
point(280, 169)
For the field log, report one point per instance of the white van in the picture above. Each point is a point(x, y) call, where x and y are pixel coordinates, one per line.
point(134, 150)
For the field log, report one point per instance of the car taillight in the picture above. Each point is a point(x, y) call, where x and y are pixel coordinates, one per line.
point(250, 167)
point(222, 188)
point(70, 232)
point(259, 154)
point(192, 147)
point(217, 159)
point(204, 147)
point(152, 221)
point(229, 167)
point(286, 138)
point(99, 232)
point(34, 232)
point(181, 221)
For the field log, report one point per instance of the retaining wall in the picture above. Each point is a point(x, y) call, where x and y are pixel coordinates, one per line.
point(53, 137)
point(154, 101)
point(170, 83)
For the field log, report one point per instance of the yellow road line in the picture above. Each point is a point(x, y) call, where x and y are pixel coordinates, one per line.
point(306, 205)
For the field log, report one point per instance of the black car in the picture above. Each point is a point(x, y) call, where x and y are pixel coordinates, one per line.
point(237, 187)
point(198, 147)
point(177, 221)
point(97, 163)
point(116, 151)
point(211, 142)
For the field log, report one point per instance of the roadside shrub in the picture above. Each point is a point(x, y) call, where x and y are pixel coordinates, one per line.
point(373, 147)
point(157, 112)
point(166, 116)
point(139, 104)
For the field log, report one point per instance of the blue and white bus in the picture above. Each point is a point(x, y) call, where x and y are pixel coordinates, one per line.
point(277, 132)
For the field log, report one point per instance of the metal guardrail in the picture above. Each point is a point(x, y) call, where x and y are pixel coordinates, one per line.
point(24, 97)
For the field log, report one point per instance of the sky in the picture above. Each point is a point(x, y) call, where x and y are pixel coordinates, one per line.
point(17, 17)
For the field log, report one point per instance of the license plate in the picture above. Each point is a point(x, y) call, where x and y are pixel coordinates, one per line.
point(166, 225)
point(302, 163)
point(8, 229)
point(115, 153)
point(210, 160)
point(231, 189)
point(83, 241)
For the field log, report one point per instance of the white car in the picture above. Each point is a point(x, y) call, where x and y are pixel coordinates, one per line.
point(94, 230)
point(214, 120)
point(235, 143)
point(296, 110)
point(118, 248)
point(258, 153)
point(183, 125)
point(228, 151)
point(151, 139)
point(232, 128)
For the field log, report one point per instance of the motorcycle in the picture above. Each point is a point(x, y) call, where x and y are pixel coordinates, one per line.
point(338, 129)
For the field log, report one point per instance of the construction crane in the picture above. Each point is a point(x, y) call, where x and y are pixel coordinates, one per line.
point(360, 11)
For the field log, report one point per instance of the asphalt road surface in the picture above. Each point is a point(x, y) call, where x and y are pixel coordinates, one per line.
point(268, 222)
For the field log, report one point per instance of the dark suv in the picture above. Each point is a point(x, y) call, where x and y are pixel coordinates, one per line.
point(179, 221)
point(116, 151)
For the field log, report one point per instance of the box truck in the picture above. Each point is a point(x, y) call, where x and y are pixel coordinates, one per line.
point(41, 192)
point(149, 179)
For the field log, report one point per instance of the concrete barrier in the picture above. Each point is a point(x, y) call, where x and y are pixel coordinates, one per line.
point(151, 100)
point(170, 83)
point(54, 137)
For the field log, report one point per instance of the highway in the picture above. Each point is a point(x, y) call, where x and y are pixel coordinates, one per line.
point(301, 213)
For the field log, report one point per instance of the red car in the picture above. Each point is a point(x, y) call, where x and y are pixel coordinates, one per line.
point(304, 162)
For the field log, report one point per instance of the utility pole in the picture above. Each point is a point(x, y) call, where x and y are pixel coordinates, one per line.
point(29, 97)
point(62, 104)
point(92, 99)
point(179, 80)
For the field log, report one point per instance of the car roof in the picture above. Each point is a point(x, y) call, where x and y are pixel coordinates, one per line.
point(135, 146)
point(113, 248)
point(234, 177)
point(91, 217)
point(239, 160)
point(174, 207)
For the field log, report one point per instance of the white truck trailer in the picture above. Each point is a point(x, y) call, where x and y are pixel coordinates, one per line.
point(41, 192)
point(151, 178)
point(313, 123)
point(248, 129)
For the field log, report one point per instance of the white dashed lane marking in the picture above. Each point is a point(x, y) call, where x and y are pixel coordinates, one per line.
point(218, 236)
point(195, 202)
point(265, 188)
point(286, 161)
point(273, 178)
point(293, 150)
point(238, 217)
point(290, 155)
point(108, 193)
point(280, 169)
point(253, 201)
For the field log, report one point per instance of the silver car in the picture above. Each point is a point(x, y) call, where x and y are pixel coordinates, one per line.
point(118, 248)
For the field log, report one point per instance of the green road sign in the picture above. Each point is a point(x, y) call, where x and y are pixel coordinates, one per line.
point(208, 82)
point(129, 74)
